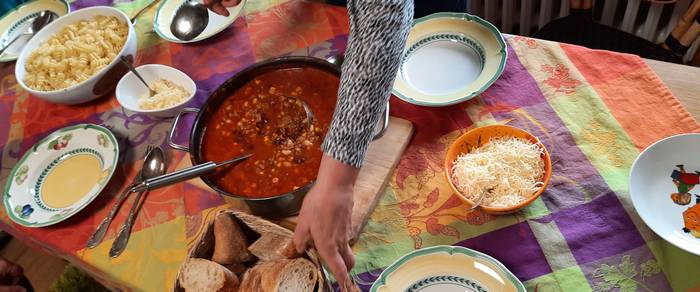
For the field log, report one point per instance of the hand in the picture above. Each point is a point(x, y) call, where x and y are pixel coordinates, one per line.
point(219, 6)
point(10, 275)
point(325, 218)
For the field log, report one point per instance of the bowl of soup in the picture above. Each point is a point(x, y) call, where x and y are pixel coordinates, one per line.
point(260, 111)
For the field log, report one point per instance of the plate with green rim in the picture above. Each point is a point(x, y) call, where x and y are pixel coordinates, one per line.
point(449, 58)
point(446, 268)
point(60, 175)
point(217, 23)
point(18, 20)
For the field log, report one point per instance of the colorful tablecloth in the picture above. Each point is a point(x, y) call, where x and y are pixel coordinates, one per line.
point(594, 110)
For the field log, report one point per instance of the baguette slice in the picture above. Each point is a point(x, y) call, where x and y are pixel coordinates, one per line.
point(201, 275)
point(230, 244)
point(287, 275)
point(271, 247)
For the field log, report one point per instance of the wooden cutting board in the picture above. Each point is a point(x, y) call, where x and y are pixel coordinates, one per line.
point(382, 156)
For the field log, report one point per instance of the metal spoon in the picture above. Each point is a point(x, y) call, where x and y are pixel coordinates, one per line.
point(307, 109)
point(128, 64)
point(40, 21)
point(190, 20)
point(153, 167)
point(101, 230)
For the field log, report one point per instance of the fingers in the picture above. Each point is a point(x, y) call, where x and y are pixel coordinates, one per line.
point(230, 3)
point(331, 256)
point(219, 9)
point(12, 289)
point(348, 256)
point(301, 237)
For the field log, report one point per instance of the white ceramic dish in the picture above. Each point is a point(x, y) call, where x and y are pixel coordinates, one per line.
point(60, 175)
point(663, 193)
point(17, 21)
point(95, 86)
point(449, 58)
point(447, 269)
point(217, 23)
point(130, 88)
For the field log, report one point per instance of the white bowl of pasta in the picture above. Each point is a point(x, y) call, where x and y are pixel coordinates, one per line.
point(174, 91)
point(75, 59)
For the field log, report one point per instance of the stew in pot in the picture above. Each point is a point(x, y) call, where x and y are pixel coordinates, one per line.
point(266, 119)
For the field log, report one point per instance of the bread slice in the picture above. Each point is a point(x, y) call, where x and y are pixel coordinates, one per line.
point(282, 276)
point(271, 247)
point(230, 244)
point(203, 275)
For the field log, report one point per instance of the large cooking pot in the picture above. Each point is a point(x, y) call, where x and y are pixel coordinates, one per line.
point(283, 205)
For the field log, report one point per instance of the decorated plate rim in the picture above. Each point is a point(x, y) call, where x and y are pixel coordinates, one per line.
point(461, 16)
point(6, 192)
point(214, 33)
point(12, 57)
point(636, 200)
point(451, 250)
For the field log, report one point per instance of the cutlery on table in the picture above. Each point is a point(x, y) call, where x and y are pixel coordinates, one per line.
point(154, 166)
point(101, 230)
point(190, 20)
point(40, 21)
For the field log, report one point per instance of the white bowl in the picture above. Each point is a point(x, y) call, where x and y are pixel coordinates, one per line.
point(130, 88)
point(97, 85)
point(652, 185)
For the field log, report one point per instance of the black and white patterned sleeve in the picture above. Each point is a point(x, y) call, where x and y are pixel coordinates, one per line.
point(378, 31)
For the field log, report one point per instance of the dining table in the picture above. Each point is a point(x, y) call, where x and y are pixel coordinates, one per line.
point(594, 111)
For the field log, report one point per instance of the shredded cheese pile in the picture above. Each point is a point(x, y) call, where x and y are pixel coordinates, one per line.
point(167, 94)
point(507, 169)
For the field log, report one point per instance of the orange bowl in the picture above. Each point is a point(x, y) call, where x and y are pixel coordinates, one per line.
point(481, 136)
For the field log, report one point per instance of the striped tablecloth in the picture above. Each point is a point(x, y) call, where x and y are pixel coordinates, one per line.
point(594, 110)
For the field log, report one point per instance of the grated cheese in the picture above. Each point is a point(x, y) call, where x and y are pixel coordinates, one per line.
point(507, 169)
point(167, 94)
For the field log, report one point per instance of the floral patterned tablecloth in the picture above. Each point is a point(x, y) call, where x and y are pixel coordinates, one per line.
point(595, 111)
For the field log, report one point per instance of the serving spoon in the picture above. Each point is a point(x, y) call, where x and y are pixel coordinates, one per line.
point(154, 166)
point(128, 64)
point(40, 21)
point(190, 20)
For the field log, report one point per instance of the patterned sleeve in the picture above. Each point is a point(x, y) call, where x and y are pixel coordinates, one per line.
point(378, 32)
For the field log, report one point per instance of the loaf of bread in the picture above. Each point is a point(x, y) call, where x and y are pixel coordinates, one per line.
point(272, 246)
point(207, 276)
point(230, 244)
point(281, 275)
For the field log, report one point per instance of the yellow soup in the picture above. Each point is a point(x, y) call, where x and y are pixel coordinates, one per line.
point(71, 180)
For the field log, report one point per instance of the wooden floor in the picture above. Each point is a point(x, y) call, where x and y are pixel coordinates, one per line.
point(41, 269)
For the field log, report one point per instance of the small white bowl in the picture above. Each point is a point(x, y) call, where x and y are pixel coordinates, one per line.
point(97, 85)
point(130, 88)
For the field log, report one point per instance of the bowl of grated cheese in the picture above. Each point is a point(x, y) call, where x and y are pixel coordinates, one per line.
point(507, 165)
point(173, 91)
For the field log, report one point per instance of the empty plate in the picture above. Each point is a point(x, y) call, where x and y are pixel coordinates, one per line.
point(663, 187)
point(449, 58)
point(18, 20)
point(447, 269)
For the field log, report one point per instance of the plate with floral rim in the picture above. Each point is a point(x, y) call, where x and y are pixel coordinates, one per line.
point(60, 175)
point(449, 58)
point(18, 20)
point(447, 269)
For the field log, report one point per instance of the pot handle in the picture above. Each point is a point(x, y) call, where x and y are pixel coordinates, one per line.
point(174, 126)
point(336, 60)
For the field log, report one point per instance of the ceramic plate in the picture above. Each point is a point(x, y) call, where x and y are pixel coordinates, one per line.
point(447, 269)
point(60, 175)
point(217, 23)
point(662, 186)
point(449, 58)
point(17, 21)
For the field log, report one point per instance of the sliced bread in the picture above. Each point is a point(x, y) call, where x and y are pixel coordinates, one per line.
point(272, 246)
point(230, 244)
point(203, 275)
point(282, 276)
